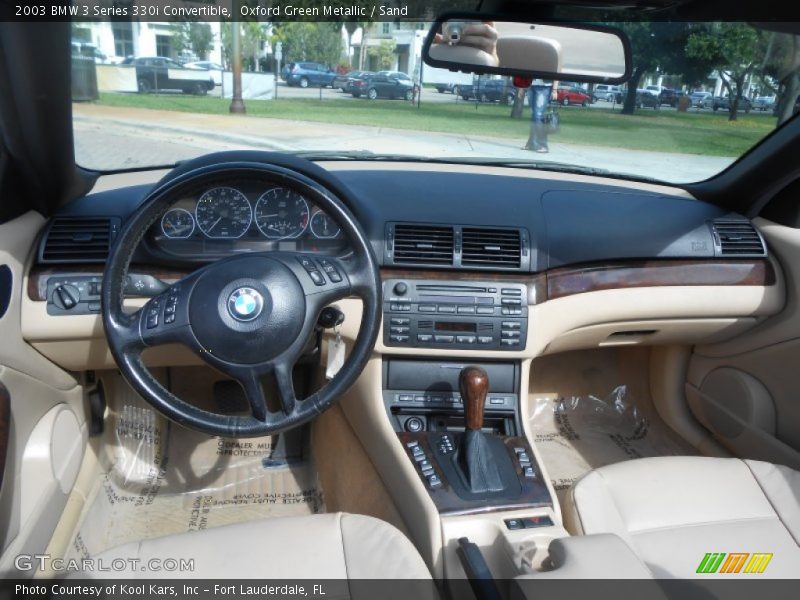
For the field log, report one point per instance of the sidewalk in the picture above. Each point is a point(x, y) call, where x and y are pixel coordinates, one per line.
point(116, 137)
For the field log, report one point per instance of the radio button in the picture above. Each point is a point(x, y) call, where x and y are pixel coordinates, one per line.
point(486, 310)
point(424, 337)
point(406, 321)
point(405, 398)
point(466, 310)
point(465, 339)
point(400, 329)
point(505, 342)
point(511, 301)
point(427, 308)
point(512, 325)
point(400, 339)
point(485, 339)
point(510, 334)
point(447, 309)
point(511, 292)
point(443, 339)
point(400, 306)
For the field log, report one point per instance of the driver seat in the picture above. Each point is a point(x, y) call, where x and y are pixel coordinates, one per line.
point(321, 547)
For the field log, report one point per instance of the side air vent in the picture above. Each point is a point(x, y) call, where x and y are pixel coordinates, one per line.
point(491, 248)
point(423, 244)
point(737, 238)
point(78, 240)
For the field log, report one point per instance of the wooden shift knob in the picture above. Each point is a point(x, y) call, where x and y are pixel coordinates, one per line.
point(474, 384)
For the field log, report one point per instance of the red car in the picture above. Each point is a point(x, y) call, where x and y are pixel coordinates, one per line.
point(572, 95)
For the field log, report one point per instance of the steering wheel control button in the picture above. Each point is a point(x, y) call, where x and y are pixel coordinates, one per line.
point(330, 270)
point(307, 263)
point(317, 277)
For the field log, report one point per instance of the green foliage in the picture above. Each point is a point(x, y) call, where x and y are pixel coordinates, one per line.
point(318, 42)
point(196, 37)
point(383, 54)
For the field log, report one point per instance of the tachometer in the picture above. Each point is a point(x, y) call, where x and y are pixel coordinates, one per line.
point(223, 212)
point(177, 223)
point(323, 227)
point(281, 213)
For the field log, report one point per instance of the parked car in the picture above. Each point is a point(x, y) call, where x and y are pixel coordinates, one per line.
point(384, 84)
point(609, 93)
point(701, 99)
point(724, 103)
point(670, 96)
point(214, 69)
point(487, 90)
point(572, 95)
point(345, 81)
point(644, 99)
point(443, 88)
point(304, 74)
point(764, 103)
point(155, 73)
point(653, 90)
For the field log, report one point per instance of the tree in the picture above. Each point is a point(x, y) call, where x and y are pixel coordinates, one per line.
point(195, 37)
point(780, 72)
point(655, 44)
point(735, 50)
point(383, 54)
point(319, 41)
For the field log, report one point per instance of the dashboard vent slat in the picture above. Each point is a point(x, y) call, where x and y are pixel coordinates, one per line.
point(738, 238)
point(423, 244)
point(78, 240)
point(491, 247)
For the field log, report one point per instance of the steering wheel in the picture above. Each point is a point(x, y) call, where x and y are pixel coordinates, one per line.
point(248, 316)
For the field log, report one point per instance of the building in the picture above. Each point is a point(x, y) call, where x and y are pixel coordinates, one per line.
point(407, 37)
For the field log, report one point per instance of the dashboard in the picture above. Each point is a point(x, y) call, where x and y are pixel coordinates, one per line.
point(243, 215)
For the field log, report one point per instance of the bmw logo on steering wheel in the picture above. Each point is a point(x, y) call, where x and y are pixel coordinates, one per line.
point(245, 304)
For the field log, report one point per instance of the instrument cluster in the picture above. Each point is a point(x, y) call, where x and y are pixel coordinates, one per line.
point(246, 216)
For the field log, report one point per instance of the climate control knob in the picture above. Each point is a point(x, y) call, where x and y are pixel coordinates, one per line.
point(414, 424)
point(66, 296)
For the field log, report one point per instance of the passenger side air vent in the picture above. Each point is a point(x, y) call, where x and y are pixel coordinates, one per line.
point(423, 244)
point(737, 238)
point(78, 240)
point(491, 248)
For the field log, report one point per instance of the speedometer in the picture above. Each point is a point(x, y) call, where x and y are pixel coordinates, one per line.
point(281, 213)
point(223, 213)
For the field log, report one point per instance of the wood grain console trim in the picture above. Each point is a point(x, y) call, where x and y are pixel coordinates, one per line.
point(592, 278)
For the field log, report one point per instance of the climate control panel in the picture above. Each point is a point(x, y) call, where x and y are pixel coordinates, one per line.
point(473, 316)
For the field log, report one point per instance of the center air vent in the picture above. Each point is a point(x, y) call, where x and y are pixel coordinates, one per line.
point(78, 240)
point(423, 244)
point(737, 238)
point(491, 248)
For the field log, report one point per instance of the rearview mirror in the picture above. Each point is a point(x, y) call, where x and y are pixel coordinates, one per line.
point(556, 51)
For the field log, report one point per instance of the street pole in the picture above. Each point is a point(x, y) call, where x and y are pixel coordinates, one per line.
point(237, 104)
point(278, 58)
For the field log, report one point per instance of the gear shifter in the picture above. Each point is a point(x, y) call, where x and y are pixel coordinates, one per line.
point(475, 457)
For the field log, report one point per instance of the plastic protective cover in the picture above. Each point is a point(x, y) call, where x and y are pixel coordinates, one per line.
point(164, 479)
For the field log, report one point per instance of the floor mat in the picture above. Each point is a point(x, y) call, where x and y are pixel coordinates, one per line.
point(597, 411)
point(165, 479)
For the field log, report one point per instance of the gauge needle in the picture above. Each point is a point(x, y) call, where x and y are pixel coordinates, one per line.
point(215, 224)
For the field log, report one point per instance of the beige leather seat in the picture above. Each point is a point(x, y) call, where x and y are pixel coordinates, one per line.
point(673, 510)
point(320, 547)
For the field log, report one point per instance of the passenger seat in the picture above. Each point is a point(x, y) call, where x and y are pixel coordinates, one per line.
point(674, 511)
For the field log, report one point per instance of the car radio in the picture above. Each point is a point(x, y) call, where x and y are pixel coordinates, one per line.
point(435, 314)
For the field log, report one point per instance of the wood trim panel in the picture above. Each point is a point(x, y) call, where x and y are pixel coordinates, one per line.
point(553, 284)
point(5, 428)
point(592, 278)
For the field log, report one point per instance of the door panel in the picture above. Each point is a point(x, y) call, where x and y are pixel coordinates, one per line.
point(747, 390)
point(45, 410)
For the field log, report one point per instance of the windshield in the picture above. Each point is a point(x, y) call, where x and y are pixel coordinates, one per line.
point(153, 94)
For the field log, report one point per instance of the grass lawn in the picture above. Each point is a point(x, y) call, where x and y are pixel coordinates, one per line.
point(703, 133)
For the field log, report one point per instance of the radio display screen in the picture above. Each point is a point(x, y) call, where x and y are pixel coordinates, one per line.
point(455, 326)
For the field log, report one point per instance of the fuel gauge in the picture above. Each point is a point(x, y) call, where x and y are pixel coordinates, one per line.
point(177, 223)
point(323, 227)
